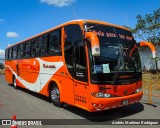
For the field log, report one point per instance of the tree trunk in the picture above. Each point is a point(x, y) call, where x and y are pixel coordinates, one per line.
point(156, 66)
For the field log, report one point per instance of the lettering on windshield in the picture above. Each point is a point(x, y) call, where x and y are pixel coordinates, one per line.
point(129, 37)
point(113, 35)
point(99, 33)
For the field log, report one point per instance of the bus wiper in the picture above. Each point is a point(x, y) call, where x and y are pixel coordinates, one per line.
point(86, 29)
point(106, 59)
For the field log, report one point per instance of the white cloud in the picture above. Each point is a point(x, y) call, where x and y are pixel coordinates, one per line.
point(58, 3)
point(2, 53)
point(11, 34)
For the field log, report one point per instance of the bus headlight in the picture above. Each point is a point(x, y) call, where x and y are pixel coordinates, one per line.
point(101, 95)
point(106, 95)
point(138, 90)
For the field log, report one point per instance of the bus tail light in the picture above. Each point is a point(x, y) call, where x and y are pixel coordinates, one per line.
point(101, 95)
point(138, 90)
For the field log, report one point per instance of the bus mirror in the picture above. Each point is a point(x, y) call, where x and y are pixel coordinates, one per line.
point(95, 46)
point(150, 45)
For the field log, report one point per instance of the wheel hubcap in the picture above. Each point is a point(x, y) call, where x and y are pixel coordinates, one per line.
point(14, 82)
point(55, 94)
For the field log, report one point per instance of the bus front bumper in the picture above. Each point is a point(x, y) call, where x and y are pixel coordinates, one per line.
point(100, 104)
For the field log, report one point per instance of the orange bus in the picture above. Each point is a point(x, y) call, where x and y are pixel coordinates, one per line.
point(89, 64)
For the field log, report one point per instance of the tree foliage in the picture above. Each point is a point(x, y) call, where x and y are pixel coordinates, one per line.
point(1, 66)
point(148, 27)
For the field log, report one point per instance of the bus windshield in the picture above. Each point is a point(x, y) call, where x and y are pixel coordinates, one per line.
point(118, 55)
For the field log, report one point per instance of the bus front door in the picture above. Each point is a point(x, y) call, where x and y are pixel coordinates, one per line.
point(80, 74)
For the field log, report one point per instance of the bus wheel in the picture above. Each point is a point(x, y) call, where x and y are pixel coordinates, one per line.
point(55, 96)
point(14, 82)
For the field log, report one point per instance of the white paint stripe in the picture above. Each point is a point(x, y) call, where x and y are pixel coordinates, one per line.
point(43, 79)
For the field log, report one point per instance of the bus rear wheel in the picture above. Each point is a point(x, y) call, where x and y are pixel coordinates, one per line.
point(14, 82)
point(55, 96)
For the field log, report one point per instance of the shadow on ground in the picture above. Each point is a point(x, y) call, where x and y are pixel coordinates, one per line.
point(108, 115)
point(96, 117)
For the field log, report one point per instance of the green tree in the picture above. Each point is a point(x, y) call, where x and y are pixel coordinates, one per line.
point(1, 66)
point(148, 27)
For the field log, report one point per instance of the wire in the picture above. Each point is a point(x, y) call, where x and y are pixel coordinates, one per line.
point(74, 11)
point(126, 20)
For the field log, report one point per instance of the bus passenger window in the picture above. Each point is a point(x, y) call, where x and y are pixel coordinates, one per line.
point(72, 34)
point(20, 51)
point(9, 53)
point(6, 54)
point(54, 42)
point(43, 44)
point(11, 57)
point(35, 47)
point(28, 49)
point(14, 55)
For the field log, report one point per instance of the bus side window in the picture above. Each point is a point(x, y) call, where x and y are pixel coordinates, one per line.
point(35, 47)
point(6, 54)
point(27, 49)
point(72, 34)
point(43, 44)
point(11, 54)
point(54, 42)
point(20, 51)
point(14, 52)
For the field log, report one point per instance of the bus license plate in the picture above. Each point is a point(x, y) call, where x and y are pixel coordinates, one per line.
point(124, 102)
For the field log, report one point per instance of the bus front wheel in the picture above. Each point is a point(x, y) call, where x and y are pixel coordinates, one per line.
point(55, 96)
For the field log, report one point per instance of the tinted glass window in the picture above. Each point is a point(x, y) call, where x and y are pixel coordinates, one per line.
point(72, 34)
point(9, 53)
point(6, 54)
point(116, 56)
point(80, 63)
point(27, 46)
point(14, 56)
point(54, 42)
point(35, 47)
point(20, 50)
point(43, 45)
point(11, 57)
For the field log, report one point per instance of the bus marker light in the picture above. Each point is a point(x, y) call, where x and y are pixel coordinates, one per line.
point(138, 90)
point(94, 105)
point(100, 105)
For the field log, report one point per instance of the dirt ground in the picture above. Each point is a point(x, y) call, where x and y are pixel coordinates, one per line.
point(151, 79)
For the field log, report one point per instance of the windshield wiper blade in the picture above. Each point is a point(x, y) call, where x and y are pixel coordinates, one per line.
point(92, 27)
point(106, 59)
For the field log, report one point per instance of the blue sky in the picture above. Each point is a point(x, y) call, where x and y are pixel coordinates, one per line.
point(20, 19)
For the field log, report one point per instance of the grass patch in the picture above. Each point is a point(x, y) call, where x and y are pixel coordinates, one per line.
point(150, 79)
point(1, 71)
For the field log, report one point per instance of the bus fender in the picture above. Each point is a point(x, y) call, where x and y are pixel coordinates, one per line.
point(54, 81)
